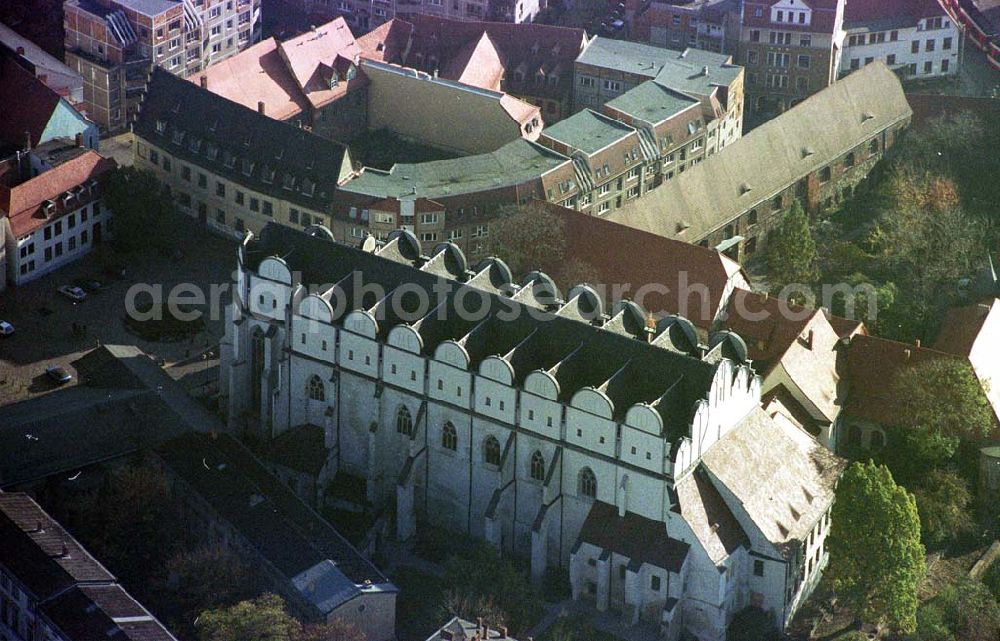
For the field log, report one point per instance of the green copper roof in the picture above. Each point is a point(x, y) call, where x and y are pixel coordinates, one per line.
point(588, 131)
point(652, 102)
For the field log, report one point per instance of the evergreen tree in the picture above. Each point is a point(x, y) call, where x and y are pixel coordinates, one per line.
point(876, 558)
point(791, 257)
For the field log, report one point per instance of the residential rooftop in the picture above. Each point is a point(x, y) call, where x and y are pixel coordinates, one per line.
point(588, 131)
point(516, 162)
point(692, 71)
point(651, 102)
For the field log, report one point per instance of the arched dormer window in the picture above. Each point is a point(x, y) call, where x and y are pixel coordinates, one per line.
point(404, 421)
point(491, 451)
point(315, 388)
point(537, 466)
point(588, 483)
point(449, 437)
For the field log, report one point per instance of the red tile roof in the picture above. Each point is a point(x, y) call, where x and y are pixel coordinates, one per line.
point(310, 57)
point(27, 104)
point(254, 75)
point(387, 42)
point(477, 64)
point(23, 202)
point(624, 255)
point(872, 365)
point(874, 10)
point(962, 326)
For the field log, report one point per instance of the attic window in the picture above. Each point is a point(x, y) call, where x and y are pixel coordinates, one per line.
point(178, 137)
point(744, 189)
point(177, 107)
point(308, 187)
point(288, 182)
point(267, 174)
point(865, 117)
point(682, 226)
point(380, 46)
point(215, 125)
point(247, 167)
point(692, 127)
point(194, 144)
point(161, 126)
point(228, 159)
point(807, 151)
point(212, 151)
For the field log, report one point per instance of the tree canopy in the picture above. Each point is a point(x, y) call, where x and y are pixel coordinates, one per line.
point(266, 619)
point(791, 256)
point(145, 214)
point(876, 558)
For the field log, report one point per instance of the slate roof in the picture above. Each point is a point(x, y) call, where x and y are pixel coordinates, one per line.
point(711, 194)
point(801, 477)
point(59, 77)
point(275, 522)
point(652, 102)
point(624, 255)
point(23, 202)
point(640, 539)
point(301, 448)
point(688, 378)
point(205, 129)
point(515, 163)
point(588, 131)
point(708, 516)
point(28, 104)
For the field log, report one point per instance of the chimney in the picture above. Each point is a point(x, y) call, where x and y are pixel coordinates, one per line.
point(479, 623)
point(917, 342)
point(39, 527)
point(20, 51)
point(27, 141)
point(503, 631)
point(906, 354)
point(79, 140)
point(260, 107)
point(204, 81)
point(65, 550)
point(43, 78)
point(704, 70)
point(809, 340)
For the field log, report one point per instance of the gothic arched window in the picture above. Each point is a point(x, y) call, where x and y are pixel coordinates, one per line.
point(449, 437)
point(404, 421)
point(315, 388)
point(491, 450)
point(538, 466)
point(588, 483)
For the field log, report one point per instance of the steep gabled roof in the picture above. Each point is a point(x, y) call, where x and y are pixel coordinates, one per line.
point(623, 255)
point(963, 326)
point(477, 64)
point(23, 202)
point(708, 516)
point(28, 104)
point(640, 539)
point(267, 155)
point(711, 194)
point(255, 75)
point(801, 477)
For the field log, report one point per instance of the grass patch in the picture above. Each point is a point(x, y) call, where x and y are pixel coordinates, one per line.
point(571, 629)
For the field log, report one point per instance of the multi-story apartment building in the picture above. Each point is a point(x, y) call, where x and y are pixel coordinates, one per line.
point(712, 25)
point(115, 43)
point(791, 49)
point(364, 15)
point(51, 588)
point(230, 167)
point(620, 449)
point(53, 212)
point(733, 199)
point(915, 38)
point(609, 68)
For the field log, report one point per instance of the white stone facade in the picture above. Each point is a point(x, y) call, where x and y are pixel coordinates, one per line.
point(451, 422)
point(927, 50)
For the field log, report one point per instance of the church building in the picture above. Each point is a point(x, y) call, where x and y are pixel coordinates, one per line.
point(596, 439)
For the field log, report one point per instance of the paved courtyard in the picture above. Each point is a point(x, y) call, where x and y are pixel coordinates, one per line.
point(44, 319)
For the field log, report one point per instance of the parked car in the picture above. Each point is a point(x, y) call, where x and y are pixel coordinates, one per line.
point(75, 294)
point(6, 329)
point(91, 285)
point(59, 374)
